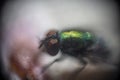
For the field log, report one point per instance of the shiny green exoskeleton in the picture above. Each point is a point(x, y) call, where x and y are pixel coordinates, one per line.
point(77, 44)
point(71, 42)
point(74, 42)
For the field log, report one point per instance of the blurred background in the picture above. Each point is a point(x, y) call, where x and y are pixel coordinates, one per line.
point(3, 3)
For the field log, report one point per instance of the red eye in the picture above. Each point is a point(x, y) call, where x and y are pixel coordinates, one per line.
point(52, 46)
point(51, 33)
point(52, 42)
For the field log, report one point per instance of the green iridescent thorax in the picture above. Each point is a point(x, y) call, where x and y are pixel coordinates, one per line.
point(76, 34)
point(73, 41)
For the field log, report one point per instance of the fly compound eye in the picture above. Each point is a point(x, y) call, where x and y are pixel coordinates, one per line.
point(51, 43)
point(52, 33)
point(52, 46)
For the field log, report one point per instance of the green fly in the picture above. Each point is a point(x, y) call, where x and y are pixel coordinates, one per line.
point(77, 44)
point(71, 42)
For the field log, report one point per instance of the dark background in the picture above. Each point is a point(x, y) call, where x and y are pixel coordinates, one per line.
point(3, 2)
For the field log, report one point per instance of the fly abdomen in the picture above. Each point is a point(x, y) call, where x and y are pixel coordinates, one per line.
point(75, 42)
